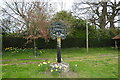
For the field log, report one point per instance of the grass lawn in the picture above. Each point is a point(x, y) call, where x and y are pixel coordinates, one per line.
point(99, 63)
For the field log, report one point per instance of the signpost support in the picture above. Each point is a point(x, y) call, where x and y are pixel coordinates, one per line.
point(59, 49)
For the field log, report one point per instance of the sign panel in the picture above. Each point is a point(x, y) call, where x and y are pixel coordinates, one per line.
point(57, 29)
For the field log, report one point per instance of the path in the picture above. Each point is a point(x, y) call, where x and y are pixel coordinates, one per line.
point(68, 59)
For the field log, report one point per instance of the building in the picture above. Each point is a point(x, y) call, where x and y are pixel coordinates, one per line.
point(117, 41)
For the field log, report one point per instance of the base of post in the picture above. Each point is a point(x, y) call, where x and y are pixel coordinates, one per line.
point(61, 67)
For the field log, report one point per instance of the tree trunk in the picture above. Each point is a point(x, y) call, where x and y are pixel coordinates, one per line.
point(103, 15)
point(35, 48)
point(111, 20)
point(112, 25)
point(113, 15)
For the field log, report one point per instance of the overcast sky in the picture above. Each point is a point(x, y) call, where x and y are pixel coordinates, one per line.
point(66, 4)
point(61, 4)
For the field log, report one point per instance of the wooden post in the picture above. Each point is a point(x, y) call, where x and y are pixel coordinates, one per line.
point(86, 36)
point(116, 44)
point(59, 49)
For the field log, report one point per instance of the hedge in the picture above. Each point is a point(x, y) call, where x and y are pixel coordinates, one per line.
point(67, 43)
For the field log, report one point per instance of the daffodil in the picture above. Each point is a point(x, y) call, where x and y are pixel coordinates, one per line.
point(76, 65)
point(51, 70)
point(56, 69)
point(48, 61)
point(56, 66)
point(39, 65)
point(44, 63)
point(60, 67)
point(61, 59)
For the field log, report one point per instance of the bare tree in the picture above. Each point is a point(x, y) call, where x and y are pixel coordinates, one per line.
point(32, 16)
point(103, 13)
point(5, 24)
point(114, 10)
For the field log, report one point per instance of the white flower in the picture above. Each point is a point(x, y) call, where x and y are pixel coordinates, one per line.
point(55, 65)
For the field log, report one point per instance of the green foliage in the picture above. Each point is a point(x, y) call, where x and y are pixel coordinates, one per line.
point(77, 26)
point(106, 33)
point(41, 51)
point(74, 67)
point(95, 41)
point(11, 41)
point(55, 72)
point(44, 66)
point(64, 16)
point(78, 29)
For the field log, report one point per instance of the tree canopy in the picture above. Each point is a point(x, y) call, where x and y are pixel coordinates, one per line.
point(103, 14)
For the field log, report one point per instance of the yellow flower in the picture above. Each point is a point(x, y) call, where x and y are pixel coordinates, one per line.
point(48, 61)
point(39, 65)
point(44, 63)
point(56, 66)
point(51, 70)
point(56, 69)
point(60, 67)
point(61, 59)
point(76, 65)
point(6, 48)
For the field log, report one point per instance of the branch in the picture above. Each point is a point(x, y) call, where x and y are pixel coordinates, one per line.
point(13, 16)
point(11, 8)
point(116, 21)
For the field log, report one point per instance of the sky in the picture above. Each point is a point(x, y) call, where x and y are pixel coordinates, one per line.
point(66, 4)
point(60, 4)
point(63, 4)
